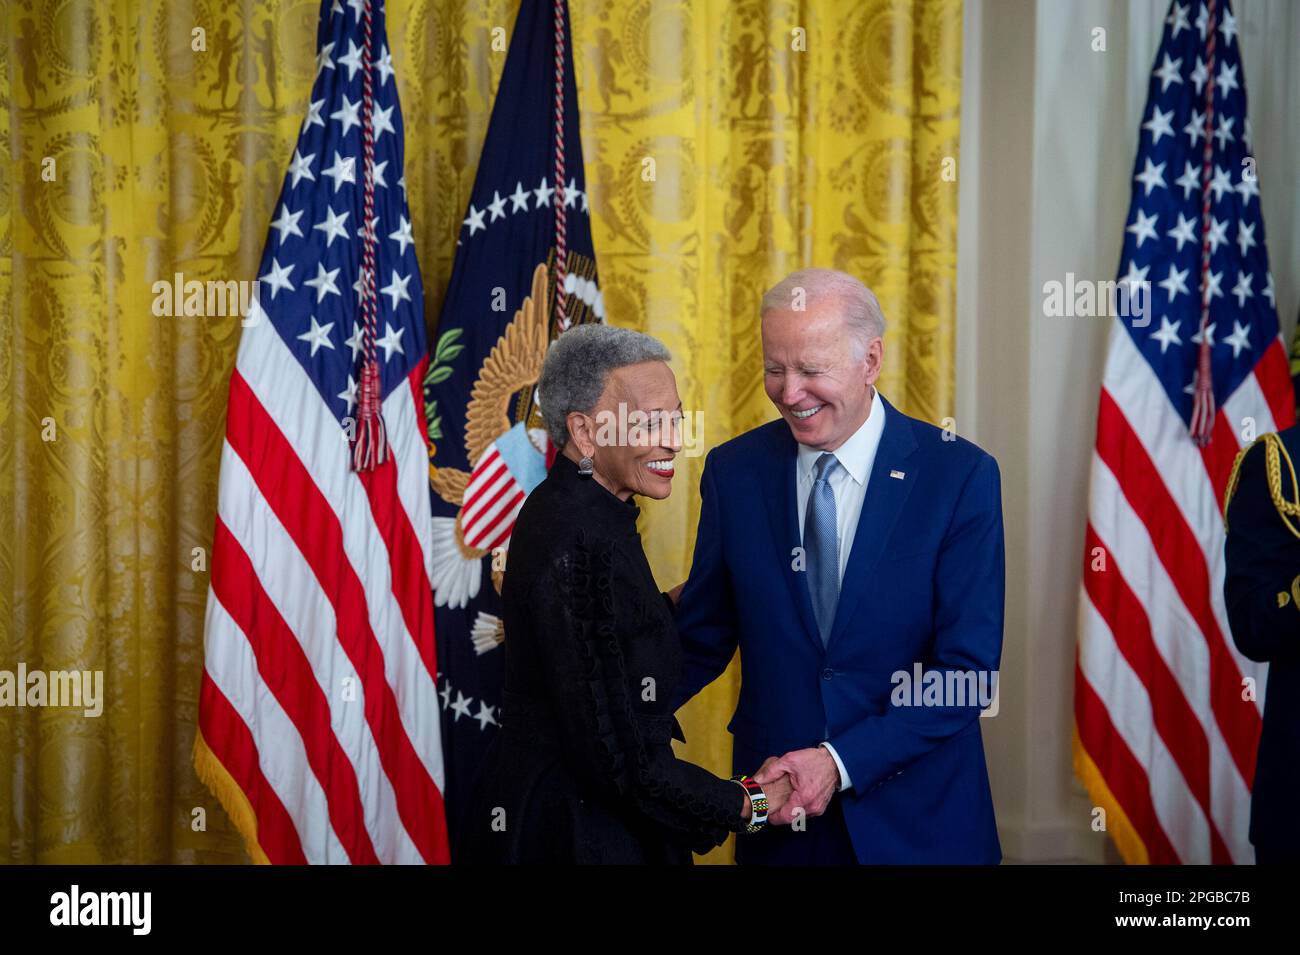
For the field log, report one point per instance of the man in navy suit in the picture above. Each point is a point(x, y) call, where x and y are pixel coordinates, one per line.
point(854, 555)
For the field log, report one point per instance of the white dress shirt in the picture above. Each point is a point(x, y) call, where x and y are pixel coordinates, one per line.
point(849, 485)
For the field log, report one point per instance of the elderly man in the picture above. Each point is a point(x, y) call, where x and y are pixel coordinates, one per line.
point(850, 552)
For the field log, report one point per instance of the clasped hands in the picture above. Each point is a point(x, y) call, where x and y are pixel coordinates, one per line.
point(803, 780)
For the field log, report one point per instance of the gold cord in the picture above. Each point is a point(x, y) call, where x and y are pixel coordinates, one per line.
point(1274, 452)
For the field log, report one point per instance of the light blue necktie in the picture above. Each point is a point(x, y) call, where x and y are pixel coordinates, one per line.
point(821, 543)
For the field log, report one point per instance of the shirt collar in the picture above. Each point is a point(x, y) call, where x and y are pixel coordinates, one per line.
point(857, 454)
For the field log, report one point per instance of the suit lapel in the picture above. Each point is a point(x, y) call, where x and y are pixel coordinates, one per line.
point(784, 520)
point(885, 498)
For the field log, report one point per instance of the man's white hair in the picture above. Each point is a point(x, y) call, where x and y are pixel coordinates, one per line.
point(858, 303)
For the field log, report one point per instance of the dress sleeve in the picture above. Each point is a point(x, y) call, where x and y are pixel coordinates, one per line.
point(592, 697)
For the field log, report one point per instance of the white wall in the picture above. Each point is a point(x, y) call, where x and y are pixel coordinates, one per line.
point(1049, 130)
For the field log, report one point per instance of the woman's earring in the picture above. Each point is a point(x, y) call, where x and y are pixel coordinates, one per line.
point(586, 467)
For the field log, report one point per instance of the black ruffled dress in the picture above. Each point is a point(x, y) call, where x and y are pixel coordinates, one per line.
point(582, 769)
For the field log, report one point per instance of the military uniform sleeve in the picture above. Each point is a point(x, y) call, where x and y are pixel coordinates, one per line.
point(574, 601)
point(1263, 564)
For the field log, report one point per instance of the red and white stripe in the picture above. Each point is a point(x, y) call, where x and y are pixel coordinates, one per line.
point(1159, 702)
point(493, 499)
point(318, 688)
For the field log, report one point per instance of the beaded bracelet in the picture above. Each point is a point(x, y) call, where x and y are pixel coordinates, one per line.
point(757, 802)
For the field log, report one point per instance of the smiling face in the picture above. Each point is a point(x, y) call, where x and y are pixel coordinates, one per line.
point(816, 373)
point(634, 432)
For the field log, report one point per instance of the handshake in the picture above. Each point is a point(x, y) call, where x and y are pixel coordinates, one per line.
point(800, 782)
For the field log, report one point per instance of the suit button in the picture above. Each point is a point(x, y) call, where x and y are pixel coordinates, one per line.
point(827, 673)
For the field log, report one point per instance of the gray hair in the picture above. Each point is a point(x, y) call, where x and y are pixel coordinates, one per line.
point(577, 367)
point(860, 308)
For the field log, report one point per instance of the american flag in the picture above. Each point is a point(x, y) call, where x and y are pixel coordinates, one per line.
point(319, 717)
point(1165, 729)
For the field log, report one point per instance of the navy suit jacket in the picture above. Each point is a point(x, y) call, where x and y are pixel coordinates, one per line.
point(924, 585)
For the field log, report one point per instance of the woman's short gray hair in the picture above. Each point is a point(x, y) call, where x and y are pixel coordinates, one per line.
point(860, 308)
point(577, 367)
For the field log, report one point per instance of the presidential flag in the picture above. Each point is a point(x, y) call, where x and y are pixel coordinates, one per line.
point(524, 271)
point(1167, 711)
point(319, 717)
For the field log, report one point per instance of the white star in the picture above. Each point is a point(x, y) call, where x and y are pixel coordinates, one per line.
point(335, 8)
point(461, 706)
point(1168, 334)
point(1175, 283)
point(277, 278)
point(1218, 234)
point(1245, 236)
point(1169, 73)
point(353, 60)
point(475, 219)
point(1183, 231)
point(402, 182)
point(1242, 289)
point(313, 115)
point(542, 194)
point(571, 193)
point(1190, 180)
point(332, 226)
point(1136, 276)
point(403, 235)
point(396, 289)
point(1209, 335)
point(1178, 17)
point(323, 283)
point(519, 198)
point(385, 66)
point(1228, 27)
point(358, 7)
point(584, 202)
point(1143, 228)
point(300, 168)
point(1224, 133)
point(1213, 285)
point(1227, 81)
point(485, 715)
point(378, 171)
point(1203, 20)
point(343, 170)
point(349, 114)
point(391, 342)
point(1221, 183)
point(1199, 75)
point(497, 206)
point(349, 394)
point(287, 224)
point(1248, 187)
point(1160, 124)
point(1152, 176)
point(1195, 127)
point(383, 122)
point(445, 693)
point(1239, 339)
point(355, 342)
point(317, 335)
point(1269, 291)
point(323, 61)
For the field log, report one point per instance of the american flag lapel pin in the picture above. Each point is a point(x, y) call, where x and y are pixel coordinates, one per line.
point(897, 474)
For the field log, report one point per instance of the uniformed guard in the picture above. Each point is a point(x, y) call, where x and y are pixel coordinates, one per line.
point(1262, 591)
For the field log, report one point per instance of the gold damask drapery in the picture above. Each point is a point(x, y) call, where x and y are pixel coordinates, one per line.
point(130, 150)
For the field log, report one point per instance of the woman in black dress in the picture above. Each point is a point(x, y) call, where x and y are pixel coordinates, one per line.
point(583, 769)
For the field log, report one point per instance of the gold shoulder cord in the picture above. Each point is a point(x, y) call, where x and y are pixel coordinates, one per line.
point(1274, 452)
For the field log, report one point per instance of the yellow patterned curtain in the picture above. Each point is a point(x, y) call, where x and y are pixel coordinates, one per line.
point(144, 138)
